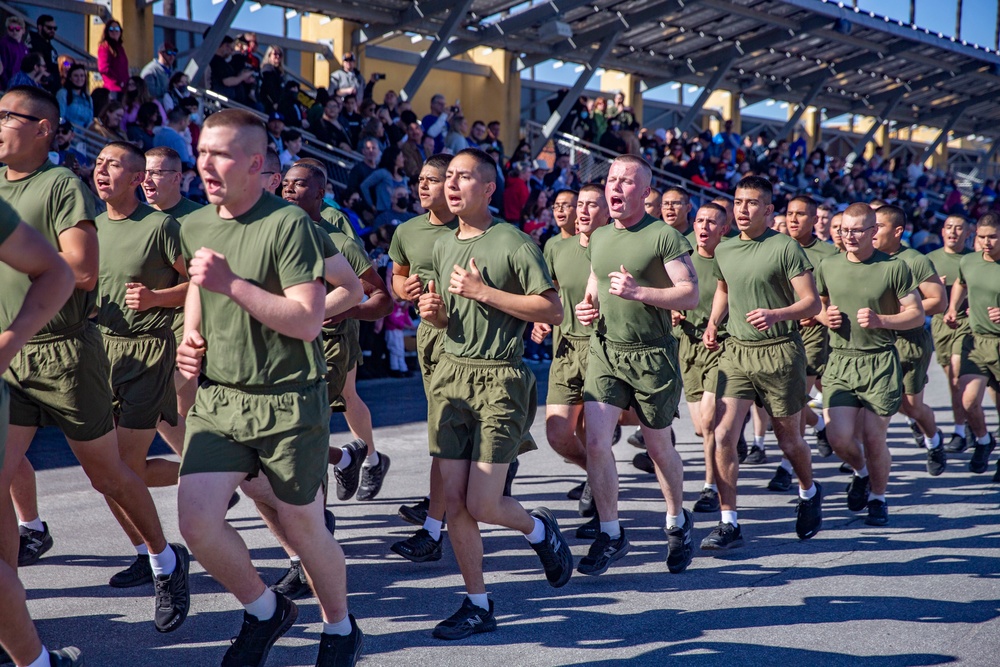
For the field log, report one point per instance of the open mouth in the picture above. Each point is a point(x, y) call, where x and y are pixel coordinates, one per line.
point(616, 201)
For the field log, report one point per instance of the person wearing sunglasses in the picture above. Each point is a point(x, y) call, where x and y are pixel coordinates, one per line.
point(13, 49)
point(40, 41)
point(157, 71)
point(112, 61)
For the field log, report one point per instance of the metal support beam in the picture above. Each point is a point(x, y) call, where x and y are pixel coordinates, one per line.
point(958, 107)
point(198, 28)
point(455, 17)
point(662, 115)
point(692, 114)
point(859, 148)
point(203, 54)
point(573, 94)
point(801, 109)
point(763, 40)
point(419, 11)
point(413, 59)
point(943, 134)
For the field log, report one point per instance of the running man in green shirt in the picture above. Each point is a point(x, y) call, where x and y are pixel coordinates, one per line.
point(915, 345)
point(411, 252)
point(952, 343)
point(765, 286)
point(978, 280)
point(23, 250)
point(640, 271)
point(252, 324)
point(867, 297)
point(493, 281)
point(675, 209)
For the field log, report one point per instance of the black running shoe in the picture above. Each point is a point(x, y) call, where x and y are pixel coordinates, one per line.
point(978, 464)
point(341, 650)
point(822, 444)
point(234, 500)
point(34, 543)
point(586, 507)
point(511, 474)
point(755, 456)
point(173, 596)
point(70, 656)
point(589, 530)
point(415, 514)
point(679, 548)
point(372, 477)
point(637, 439)
point(644, 462)
point(293, 583)
point(576, 491)
point(4, 658)
point(419, 548)
point(708, 501)
point(957, 444)
point(846, 469)
point(330, 521)
point(603, 552)
point(878, 513)
point(553, 551)
point(617, 435)
point(724, 536)
point(918, 435)
point(251, 646)
point(857, 493)
point(937, 460)
point(349, 478)
point(467, 621)
point(741, 448)
point(996, 475)
point(139, 573)
point(782, 480)
point(809, 514)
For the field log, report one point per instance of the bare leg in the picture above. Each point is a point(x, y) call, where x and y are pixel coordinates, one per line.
point(133, 445)
point(24, 491)
point(18, 440)
point(729, 416)
point(602, 471)
point(463, 529)
point(359, 418)
point(915, 408)
point(17, 633)
point(706, 412)
point(561, 426)
point(973, 388)
point(174, 435)
point(696, 419)
point(957, 409)
point(788, 431)
point(841, 432)
point(668, 465)
point(876, 452)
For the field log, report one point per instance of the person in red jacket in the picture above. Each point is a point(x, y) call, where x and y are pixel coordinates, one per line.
point(515, 195)
point(112, 61)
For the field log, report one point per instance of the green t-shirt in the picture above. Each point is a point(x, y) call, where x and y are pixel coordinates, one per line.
point(508, 260)
point(877, 283)
point(759, 273)
point(816, 251)
point(359, 261)
point(707, 285)
point(273, 246)
point(567, 263)
point(982, 279)
point(142, 248)
point(413, 245)
point(339, 221)
point(922, 270)
point(644, 249)
point(946, 266)
point(8, 221)
point(51, 199)
point(182, 209)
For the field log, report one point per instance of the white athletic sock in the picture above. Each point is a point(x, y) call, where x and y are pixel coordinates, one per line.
point(819, 397)
point(960, 430)
point(33, 525)
point(163, 563)
point(481, 600)
point(371, 460)
point(345, 459)
point(537, 533)
point(931, 443)
point(295, 559)
point(758, 441)
point(713, 487)
point(729, 516)
point(807, 494)
point(433, 526)
point(861, 473)
point(341, 627)
point(675, 521)
point(264, 607)
point(876, 496)
point(141, 549)
point(985, 440)
point(612, 528)
point(910, 421)
point(786, 464)
point(820, 422)
point(42, 660)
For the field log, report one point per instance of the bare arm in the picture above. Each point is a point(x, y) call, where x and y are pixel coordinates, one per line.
point(378, 304)
point(933, 295)
point(720, 309)
point(682, 296)
point(192, 347)
point(958, 292)
point(404, 285)
point(347, 291)
point(588, 310)
point(431, 307)
point(27, 251)
point(808, 305)
point(910, 316)
point(139, 297)
point(78, 246)
point(824, 317)
point(545, 307)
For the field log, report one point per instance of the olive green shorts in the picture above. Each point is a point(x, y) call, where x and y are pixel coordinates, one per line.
point(816, 341)
point(568, 370)
point(950, 342)
point(915, 359)
point(430, 342)
point(142, 378)
point(699, 367)
point(480, 410)
point(337, 350)
point(63, 379)
point(283, 431)
point(772, 373)
point(983, 359)
point(872, 380)
point(4, 418)
point(645, 376)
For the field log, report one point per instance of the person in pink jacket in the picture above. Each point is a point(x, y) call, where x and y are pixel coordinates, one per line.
point(112, 61)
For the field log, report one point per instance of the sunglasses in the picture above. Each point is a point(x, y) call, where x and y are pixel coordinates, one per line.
point(14, 28)
point(170, 53)
point(114, 29)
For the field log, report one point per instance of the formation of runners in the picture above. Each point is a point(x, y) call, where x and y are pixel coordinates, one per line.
point(232, 329)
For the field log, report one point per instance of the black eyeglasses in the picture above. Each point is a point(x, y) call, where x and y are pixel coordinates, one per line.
point(6, 115)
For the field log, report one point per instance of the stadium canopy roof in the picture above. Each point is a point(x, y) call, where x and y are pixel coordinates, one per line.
point(812, 52)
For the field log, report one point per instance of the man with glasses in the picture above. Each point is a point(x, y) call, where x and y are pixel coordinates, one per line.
point(675, 207)
point(40, 42)
point(867, 297)
point(157, 71)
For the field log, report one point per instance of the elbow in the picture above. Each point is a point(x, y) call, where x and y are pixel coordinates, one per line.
point(813, 309)
point(936, 308)
point(384, 307)
point(85, 280)
point(691, 298)
point(356, 294)
point(311, 330)
point(554, 315)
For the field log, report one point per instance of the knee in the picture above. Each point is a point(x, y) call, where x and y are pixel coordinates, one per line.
point(106, 482)
point(479, 509)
